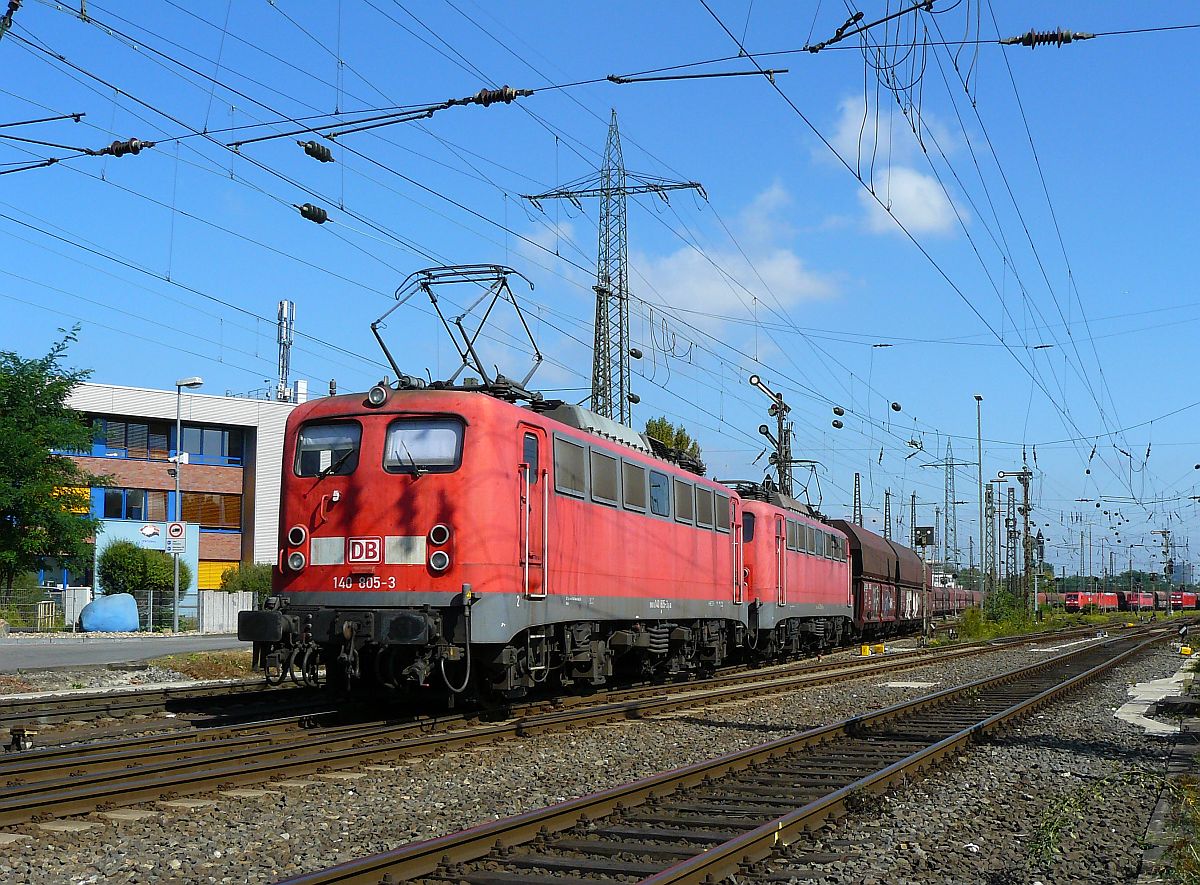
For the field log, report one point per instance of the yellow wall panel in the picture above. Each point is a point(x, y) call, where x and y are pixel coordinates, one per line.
point(210, 571)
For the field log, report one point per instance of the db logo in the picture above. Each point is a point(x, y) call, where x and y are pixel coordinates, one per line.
point(365, 550)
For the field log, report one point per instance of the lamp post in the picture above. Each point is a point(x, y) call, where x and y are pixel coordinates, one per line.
point(180, 459)
point(979, 452)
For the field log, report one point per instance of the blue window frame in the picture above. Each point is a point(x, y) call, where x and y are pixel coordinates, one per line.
point(212, 445)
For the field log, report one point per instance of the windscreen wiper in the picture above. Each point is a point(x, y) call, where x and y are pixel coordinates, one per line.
point(333, 467)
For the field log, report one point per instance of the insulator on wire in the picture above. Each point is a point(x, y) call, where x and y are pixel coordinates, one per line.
point(485, 97)
point(313, 213)
point(129, 146)
point(317, 151)
point(1057, 37)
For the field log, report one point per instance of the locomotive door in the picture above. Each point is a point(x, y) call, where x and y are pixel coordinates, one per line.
point(739, 554)
point(780, 560)
point(533, 477)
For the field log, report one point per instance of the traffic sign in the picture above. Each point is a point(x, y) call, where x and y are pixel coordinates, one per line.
point(176, 545)
point(176, 530)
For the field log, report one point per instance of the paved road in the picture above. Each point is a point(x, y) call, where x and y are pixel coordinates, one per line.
point(74, 651)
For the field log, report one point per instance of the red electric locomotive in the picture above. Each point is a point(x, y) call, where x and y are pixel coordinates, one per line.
point(1182, 599)
point(445, 532)
point(1075, 601)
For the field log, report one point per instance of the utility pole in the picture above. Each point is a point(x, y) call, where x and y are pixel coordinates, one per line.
point(612, 185)
point(858, 499)
point(887, 514)
point(988, 560)
point(912, 520)
point(949, 534)
point(1010, 525)
point(1166, 536)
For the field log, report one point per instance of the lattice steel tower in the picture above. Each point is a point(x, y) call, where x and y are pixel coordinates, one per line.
point(612, 185)
point(950, 536)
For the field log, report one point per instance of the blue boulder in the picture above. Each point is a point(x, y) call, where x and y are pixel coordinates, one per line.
point(110, 614)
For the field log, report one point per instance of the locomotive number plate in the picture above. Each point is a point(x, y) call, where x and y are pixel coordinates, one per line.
point(363, 582)
point(364, 550)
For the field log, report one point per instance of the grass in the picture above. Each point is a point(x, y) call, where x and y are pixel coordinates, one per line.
point(208, 664)
point(975, 625)
point(1184, 850)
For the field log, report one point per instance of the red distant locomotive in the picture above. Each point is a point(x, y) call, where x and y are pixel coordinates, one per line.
point(1182, 599)
point(1076, 601)
point(446, 534)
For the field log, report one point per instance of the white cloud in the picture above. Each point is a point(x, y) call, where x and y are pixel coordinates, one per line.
point(882, 149)
point(727, 284)
point(915, 199)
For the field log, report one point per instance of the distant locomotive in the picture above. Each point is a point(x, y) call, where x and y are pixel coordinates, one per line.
point(444, 534)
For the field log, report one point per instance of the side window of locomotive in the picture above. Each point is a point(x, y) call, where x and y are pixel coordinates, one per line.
point(325, 449)
point(684, 503)
point(793, 535)
point(722, 511)
point(810, 542)
point(529, 455)
point(660, 493)
point(604, 478)
point(704, 508)
point(570, 467)
point(423, 445)
point(633, 486)
point(747, 527)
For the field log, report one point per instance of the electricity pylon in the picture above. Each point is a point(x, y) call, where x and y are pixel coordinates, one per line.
point(612, 184)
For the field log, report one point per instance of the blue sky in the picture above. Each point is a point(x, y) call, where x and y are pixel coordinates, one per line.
point(174, 260)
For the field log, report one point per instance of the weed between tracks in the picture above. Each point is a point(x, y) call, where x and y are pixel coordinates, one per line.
point(1061, 816)
point(1184, 850)
point(208, 664)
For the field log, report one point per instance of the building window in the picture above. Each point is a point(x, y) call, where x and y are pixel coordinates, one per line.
point(142, 440)
point(213, 511)
point(633, 486)
point(143, 505)
point(660, 493)
point(604, 478)
point(570, 468)
point(212, 445)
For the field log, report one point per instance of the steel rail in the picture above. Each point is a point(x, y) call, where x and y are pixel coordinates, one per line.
point(441, 858)
point(72, 783)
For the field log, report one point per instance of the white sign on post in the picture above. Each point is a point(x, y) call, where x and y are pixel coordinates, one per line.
point(176, 537)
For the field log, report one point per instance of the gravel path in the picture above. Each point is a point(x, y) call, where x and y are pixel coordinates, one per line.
point(297, 826)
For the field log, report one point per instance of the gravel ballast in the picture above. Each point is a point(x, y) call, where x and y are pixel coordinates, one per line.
point(296, 827)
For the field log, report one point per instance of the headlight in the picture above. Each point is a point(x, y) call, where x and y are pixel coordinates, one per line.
point(439, 560)
point(439, 534)
point(295, 561)
point(377, 395)
point(296, 535)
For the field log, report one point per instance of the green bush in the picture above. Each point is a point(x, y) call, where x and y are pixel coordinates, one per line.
point(125, 567)
point(248, 578)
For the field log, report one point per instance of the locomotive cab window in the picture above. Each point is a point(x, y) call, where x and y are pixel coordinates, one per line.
point(660, 493)
point(747, 527)
point(633, 486)
point(570, 468)
point(325, 449)
point(704, 508)
point(604, 478)
point(794, 530)
point(529, 455)
point(423, 445)
point(684, 502)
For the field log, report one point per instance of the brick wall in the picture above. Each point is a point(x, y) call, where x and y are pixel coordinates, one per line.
point(221, 545)
point(131, 474)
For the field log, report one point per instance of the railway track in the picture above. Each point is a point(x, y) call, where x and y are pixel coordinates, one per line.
point(706, 822)
point(54, 782)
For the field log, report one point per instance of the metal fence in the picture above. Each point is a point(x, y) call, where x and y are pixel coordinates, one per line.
point(58, 610)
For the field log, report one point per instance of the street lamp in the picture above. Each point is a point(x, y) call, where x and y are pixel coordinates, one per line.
point(180, 459)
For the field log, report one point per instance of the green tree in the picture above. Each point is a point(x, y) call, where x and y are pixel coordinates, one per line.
point(44, 497)
point(248, 578)
point(676, 437)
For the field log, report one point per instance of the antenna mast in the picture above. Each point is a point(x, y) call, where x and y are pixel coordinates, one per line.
point(285, 332)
